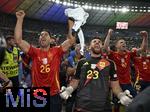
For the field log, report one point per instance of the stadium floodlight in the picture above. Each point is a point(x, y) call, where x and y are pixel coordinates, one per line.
point(69, 4)
point(141, 10)
point(113, 9)
point(116, 9)
point(136, 10)
point(136, 7)
point(94, 7)
point(109, 9)
point(90, 7)
point(64, 3)
point(85, 6)
point(103, 7)
point(120, 10)
point(97, 8)
point(57, 1)
point(124, 10)
point(75, 5)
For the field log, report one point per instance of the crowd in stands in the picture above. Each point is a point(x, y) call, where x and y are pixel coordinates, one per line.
point(31, 33)
point(32, 29)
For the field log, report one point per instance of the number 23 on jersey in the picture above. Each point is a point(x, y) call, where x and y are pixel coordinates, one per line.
point(92, 74)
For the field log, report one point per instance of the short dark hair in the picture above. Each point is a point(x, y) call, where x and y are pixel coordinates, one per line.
point(8, 37)
point(113, 47)
point(47, 30)
point(118, 38)
point(97, 37)
point(52, 37)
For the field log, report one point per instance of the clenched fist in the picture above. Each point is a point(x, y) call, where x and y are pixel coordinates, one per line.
point(110, 31)
point(125, 97)
point(20, 14)
point(144, 34)
point(66, 92)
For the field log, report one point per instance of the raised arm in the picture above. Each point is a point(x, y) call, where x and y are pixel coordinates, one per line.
point(107, 39)
point(70, 38)
point(144, 44)
point(24, 46)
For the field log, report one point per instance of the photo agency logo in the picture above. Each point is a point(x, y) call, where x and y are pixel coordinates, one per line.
point(22, 99)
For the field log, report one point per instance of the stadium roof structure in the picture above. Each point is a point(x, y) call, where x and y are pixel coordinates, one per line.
point(102, 12)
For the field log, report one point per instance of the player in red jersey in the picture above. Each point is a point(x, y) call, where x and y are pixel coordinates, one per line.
point(122, 58)
point(142, 67)
point(45, 60)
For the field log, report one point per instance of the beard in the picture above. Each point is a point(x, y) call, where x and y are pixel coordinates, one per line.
point(52, 44)
point(96, 51)
point(123, 49)
point(44, 45)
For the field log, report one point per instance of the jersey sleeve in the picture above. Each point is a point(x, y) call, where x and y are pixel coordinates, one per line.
point(59, 50)
point(32, 51)
point(78, 70)
point(111, 54)
point(133, 53)
point(113, 74)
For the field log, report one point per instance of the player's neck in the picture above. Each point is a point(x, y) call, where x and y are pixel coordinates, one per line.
point(95, 55)
point(9, 47)
point(121, 51)
point(45, 48)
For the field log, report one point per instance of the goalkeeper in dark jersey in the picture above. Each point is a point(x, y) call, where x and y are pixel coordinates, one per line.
point(93, 79)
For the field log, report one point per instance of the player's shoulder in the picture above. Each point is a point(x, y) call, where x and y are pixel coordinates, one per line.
point(35, 48)
point(56, 48)
point(105, 59)
point(129, 52)
point(109, 60)
point(83, 60)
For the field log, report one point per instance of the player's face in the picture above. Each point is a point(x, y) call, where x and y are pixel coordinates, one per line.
point(96, 46)
point(121, 45)
point(11, 42)
point(77, 48)
point(44, 39)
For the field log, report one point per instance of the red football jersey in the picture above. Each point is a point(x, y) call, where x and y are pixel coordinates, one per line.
point(142, 66)
point(45, 68)
point(122, 61)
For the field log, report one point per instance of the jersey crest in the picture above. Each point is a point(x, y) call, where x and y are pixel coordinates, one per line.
point(102, 64)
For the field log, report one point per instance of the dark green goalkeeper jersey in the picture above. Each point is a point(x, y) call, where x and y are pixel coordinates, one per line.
point(93, 91)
